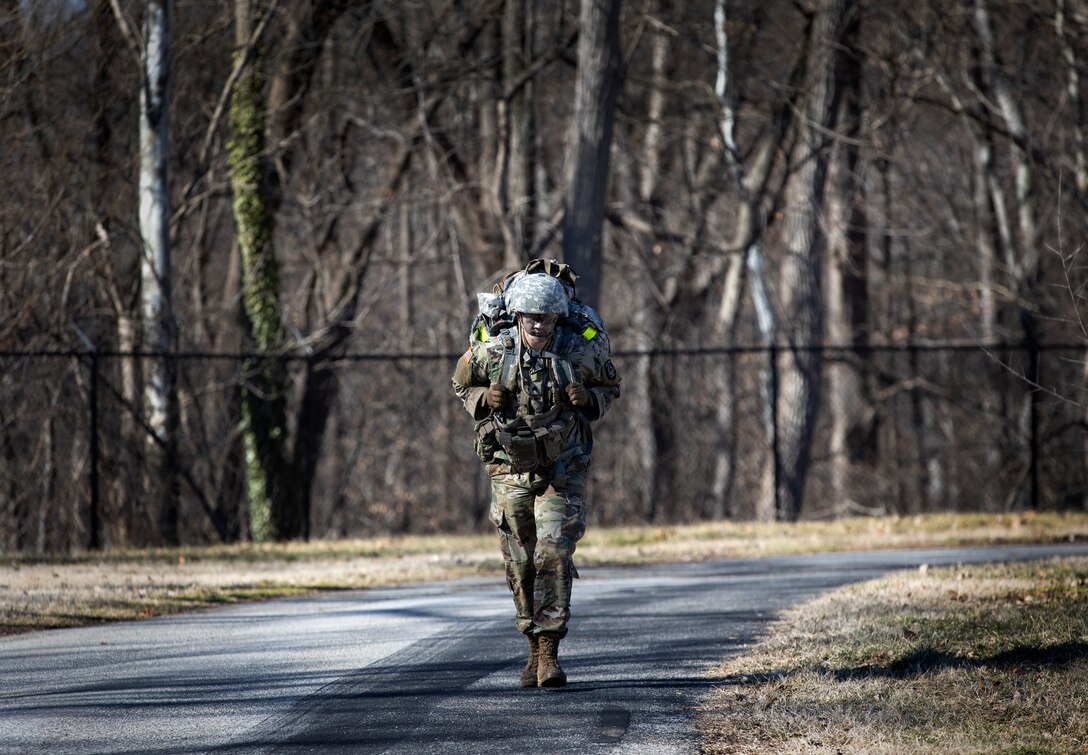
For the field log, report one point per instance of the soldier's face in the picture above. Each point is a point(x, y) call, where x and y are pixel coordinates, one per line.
point(537, 328)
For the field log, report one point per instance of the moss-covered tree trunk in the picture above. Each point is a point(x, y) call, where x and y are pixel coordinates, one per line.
point(264, 376)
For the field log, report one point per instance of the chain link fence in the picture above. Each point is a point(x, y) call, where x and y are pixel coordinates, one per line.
point(899, 430)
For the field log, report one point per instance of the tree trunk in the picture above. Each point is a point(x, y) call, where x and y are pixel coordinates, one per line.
point(308, 28)
point(645, 327)
point(1023, 256)
point(1084, 440)
point(11, 514)
point(750, 180)
point(995, 82)
point(766, 508)
point(128, 517)
point(649, 170)
point(1076, 101)
point(518, 190)
point(48, 480)
point(852, 440)
point(594, 113)
point(800, 274)
point(492, 156)
point(398, 473)
point(134, 521)
point(984, 243)
point(264, 379)
point(725, 375)
point(160, 390)
point(929, 494)
point(984, 177)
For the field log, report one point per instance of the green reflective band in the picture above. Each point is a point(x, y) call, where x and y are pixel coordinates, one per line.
point(481, 333)
point(589, 332)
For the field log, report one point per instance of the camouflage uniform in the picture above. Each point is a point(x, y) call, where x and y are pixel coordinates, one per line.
point(540, 514)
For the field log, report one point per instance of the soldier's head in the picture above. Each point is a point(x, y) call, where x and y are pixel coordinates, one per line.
point(538, 301)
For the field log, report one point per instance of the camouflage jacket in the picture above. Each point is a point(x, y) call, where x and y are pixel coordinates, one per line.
point(536, 379)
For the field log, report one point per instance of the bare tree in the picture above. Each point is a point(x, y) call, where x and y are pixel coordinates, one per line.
point(799, 277)
point(517, 107)
point(750, 177)
point(264, 386)
point(645, 391)
point(156, 287)
point(944, 135)
point(852, 440)
point(1022, 254)
point(160, 389)
point(594, 105)
point(1076, 100)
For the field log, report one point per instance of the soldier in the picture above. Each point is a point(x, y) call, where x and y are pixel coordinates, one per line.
point(534, 389)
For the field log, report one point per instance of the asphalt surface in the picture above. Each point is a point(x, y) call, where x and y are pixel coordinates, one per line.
point(419, 669)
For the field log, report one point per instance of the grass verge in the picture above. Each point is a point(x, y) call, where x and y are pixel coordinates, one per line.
point(87, 588)
point(981, 659)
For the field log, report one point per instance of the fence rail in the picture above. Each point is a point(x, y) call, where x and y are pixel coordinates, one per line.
point(963, 426)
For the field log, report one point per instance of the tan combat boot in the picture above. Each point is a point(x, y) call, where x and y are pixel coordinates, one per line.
point(548, 673)
point(528, 674)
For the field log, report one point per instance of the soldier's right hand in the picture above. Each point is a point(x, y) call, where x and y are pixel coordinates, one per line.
point(497, 396)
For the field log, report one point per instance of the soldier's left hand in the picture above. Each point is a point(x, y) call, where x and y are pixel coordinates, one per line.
point(578, 395)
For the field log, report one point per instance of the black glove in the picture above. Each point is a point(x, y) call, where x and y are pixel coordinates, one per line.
point(497, 396)
point(578, 395)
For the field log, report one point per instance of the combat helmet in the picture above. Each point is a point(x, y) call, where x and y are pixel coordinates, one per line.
point(537, 294)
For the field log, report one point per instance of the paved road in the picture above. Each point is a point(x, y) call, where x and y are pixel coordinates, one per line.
point(417, 669)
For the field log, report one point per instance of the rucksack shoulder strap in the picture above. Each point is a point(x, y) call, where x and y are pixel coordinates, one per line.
point(508, 376)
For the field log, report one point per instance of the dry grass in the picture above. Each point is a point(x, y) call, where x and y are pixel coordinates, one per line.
point(94, 588)
point(986, 659)
point(39, 593)
point(751, 539)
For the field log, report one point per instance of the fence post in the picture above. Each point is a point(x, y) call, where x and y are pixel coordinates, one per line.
point(96, 525)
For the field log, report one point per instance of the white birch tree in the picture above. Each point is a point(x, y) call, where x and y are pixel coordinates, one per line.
point(160, 390)
point(749, 177)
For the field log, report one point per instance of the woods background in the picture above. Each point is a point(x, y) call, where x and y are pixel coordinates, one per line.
point(836, 243)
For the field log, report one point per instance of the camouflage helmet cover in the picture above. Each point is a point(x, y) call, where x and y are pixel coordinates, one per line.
point(537, 294)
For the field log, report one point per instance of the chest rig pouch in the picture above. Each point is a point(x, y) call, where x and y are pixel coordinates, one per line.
point(535, 441)
point(530, 441)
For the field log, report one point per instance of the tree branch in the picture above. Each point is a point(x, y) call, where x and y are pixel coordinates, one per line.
point(132, 39)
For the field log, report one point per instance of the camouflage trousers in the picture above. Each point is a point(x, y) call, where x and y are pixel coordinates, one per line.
point(539, 528)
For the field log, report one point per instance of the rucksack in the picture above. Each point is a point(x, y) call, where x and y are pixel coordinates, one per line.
point(531, 441)
point(581, 318)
